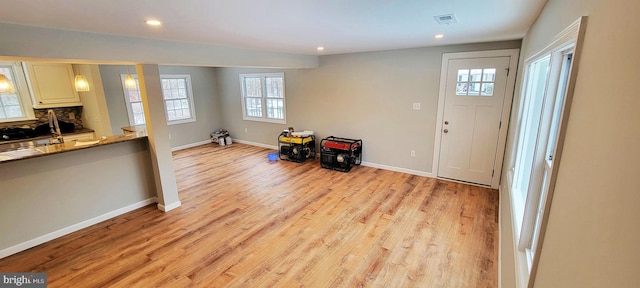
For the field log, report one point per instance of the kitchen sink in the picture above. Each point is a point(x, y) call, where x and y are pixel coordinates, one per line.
point(18, 153)
point(23, 145)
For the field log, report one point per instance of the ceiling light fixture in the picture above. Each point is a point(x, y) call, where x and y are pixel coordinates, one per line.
point(153, 22)
point(129, 82)
point(6, 87)
point(82, 85)
point(320, 48)
point(439, 36)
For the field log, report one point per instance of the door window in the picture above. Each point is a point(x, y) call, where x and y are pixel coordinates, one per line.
point(475, 82)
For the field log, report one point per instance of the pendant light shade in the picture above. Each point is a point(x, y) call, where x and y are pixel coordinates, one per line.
point(129, 82)
point(82, 85)
point(6, 87)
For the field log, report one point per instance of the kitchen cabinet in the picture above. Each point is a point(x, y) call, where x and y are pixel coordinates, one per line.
point(51, 85)
point(78, 137)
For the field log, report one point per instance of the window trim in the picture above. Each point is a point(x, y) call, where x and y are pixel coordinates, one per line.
point(23, 92)
point(190, 97)
point(263, 98)
point(526, 260)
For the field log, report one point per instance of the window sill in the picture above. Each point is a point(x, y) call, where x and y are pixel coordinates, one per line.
point(183, 121)
point(274, 121)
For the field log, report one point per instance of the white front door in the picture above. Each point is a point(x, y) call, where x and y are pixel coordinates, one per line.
point(473, 107)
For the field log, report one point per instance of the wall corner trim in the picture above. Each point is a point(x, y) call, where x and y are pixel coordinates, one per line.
point(167, 208)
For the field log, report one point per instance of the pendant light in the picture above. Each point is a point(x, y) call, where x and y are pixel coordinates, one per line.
point(129, 82)
point(82, 85)
point(6, 87)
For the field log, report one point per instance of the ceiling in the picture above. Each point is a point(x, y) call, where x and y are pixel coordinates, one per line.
point(290, 26)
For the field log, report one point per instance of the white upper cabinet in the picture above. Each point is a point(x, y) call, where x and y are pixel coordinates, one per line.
point(51, 85)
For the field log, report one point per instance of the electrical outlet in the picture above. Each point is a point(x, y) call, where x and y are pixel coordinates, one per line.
point(72, 115)
point(416, 105)
point(413, 153)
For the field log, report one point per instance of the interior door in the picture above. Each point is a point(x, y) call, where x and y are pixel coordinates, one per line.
point(475, 93)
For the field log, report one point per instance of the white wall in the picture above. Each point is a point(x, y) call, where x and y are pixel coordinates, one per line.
point(368, 96)
point(592, 234)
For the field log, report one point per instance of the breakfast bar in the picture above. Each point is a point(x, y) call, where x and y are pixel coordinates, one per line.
point(69, 186)
point(27, 152)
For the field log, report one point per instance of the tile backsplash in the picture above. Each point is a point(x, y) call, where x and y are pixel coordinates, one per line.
point(62, 114)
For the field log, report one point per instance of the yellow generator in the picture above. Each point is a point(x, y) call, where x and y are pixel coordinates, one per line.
point(296, 146)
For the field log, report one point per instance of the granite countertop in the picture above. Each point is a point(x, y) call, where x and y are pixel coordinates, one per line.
point(135, 129)
point(21, 154)
point(78, 131)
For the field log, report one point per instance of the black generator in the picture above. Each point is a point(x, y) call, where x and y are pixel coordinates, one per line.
point(340, 153)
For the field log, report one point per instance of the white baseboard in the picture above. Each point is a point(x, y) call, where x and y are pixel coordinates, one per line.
point(398, 169)
point(167, 208)
point(73, 228)
point(255, 144)
point(190, 145)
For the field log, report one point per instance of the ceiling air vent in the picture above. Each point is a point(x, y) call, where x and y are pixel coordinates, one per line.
point(446, 19)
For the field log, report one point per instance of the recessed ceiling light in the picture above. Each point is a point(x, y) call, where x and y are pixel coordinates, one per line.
point(439, 36)
point(320, 48)
point(153, 22)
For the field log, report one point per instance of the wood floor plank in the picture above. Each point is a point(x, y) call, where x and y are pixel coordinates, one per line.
point(247, 222)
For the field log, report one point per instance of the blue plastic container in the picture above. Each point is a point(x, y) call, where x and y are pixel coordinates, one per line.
point(273, 156)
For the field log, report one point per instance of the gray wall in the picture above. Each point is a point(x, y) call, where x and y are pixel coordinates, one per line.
point(592, 235)
point(46, 194)
point(363, 95)
point(205, 98)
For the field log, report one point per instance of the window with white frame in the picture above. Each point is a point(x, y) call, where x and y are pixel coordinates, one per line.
point(178, 99)
point(545, 101)
point(263, 97)
point(14, 95)
point(177, 95)
point(134, 102)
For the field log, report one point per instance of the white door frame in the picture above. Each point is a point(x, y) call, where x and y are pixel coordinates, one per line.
point(506, 106)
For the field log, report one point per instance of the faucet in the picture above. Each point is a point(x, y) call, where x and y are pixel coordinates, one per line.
point(56, 135)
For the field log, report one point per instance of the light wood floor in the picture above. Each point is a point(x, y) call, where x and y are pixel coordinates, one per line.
point(246, 222)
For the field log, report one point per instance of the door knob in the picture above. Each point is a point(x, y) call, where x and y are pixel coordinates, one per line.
point(446, 131)
point(446, 122)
